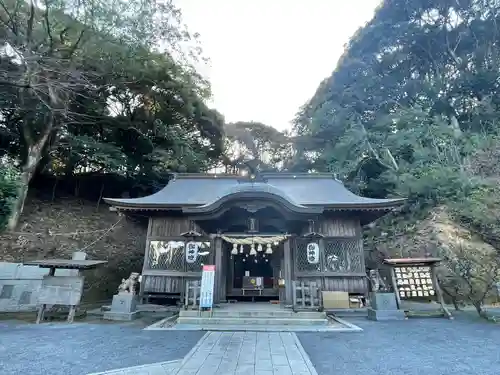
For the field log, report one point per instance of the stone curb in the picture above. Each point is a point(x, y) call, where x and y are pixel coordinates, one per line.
point(193, 350)
point(304, 355)
point(350, 326)
point(135, 368)
point(158, 325)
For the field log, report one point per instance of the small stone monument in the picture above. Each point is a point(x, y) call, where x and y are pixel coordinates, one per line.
point(383, 303)
point(124, 305)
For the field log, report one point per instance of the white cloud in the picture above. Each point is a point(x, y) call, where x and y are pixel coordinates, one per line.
point(269, 56)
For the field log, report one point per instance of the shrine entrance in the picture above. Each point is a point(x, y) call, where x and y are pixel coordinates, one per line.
point(253, 271)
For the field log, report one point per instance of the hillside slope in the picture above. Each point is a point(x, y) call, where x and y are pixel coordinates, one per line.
point(57, 229)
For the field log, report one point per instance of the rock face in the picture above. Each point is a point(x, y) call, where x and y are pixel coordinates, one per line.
point(423, 237)
point(59, 228)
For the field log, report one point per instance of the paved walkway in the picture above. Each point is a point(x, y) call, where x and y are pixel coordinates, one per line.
point(236, 353)
point(248, 353)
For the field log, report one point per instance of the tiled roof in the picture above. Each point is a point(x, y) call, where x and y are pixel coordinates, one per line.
point(297, 190)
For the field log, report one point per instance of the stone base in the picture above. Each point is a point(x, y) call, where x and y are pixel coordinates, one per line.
point(386, 314)
point(123, 307)
point(121, 316)
point(124, 303)
point(383, 301)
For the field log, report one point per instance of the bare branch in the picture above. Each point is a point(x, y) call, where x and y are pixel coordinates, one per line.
point(11, 20)
point(29, 31)
point(62, 33)
point(48, 26)
point(13, 84)
point(76, 44)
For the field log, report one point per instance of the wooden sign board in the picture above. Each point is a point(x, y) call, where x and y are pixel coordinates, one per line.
point(61, 290)
point(207, 287)
point(414, 282)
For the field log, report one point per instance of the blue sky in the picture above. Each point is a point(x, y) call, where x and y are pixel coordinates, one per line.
point(269, 56)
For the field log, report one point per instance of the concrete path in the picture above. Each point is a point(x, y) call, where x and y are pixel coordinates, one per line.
point(236, 353)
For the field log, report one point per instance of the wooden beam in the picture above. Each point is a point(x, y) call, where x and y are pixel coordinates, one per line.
point(288, 272)
point(171, 273)
point(219, 271)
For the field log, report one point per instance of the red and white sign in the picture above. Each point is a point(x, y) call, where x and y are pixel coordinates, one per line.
point(207, 286)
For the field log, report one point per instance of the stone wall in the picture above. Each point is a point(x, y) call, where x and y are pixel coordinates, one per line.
point(56, 229)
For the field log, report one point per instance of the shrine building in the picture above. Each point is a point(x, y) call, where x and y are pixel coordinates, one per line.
point(278, 227)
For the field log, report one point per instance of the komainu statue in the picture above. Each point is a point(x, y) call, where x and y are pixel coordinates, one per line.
point(129, 285)
point(377, 283)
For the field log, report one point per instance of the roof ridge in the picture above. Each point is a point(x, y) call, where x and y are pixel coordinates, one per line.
point(266, 175)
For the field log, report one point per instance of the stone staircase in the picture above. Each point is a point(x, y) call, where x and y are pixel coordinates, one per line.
point(252, 318)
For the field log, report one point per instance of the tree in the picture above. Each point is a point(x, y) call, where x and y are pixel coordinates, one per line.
point(8, 189)
point(64, 63)
point(470, 275)
point(407, 112)
point(248, 141)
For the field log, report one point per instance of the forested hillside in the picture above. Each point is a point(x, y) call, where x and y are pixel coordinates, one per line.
point(412, 110)
point(84, 90)
point(90, 106)
point(102, 99)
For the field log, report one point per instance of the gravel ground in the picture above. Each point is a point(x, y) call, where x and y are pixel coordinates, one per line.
point(413, 347)
point(82, 348)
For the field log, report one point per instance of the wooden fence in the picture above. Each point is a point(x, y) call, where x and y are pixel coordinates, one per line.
point(192, 295)
point(306, 295)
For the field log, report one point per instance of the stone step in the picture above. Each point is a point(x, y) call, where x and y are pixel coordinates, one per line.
point(251, 321)
point(348, 313)
point(254, 314)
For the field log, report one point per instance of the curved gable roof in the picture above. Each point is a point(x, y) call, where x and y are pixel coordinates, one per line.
point(301, 191)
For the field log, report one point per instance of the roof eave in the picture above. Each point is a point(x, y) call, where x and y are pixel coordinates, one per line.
point(388, 205)
point(317, 208)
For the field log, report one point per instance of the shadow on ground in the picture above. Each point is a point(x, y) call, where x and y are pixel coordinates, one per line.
point(430, 346)
point(82, 348)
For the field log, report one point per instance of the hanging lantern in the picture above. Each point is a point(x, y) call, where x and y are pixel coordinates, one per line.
point(252, 250)
point(235, 249)
point(244, 260)
point(246, 255)
point(269, 249)
point(241, 249)
point(259, 248)
point(191, 252)
point(263, 255)
point(255, 260)
point(313, 253)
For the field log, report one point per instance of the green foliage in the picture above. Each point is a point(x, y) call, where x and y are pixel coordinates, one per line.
point(258, 143)
point(412, 110)
point(9, 183)
point(84, 89)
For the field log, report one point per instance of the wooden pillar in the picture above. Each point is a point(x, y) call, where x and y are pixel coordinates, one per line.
point(146, 265)
point(395, 287)
point(219, 271)
point(287, 272)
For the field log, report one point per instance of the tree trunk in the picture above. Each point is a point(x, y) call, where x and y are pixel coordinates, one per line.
point(479, 309)
point(27, 173)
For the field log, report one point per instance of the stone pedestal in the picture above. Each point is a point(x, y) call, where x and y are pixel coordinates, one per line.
point(123, 307)
point(384, 307)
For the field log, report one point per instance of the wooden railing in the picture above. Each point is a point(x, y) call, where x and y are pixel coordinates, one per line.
point(192, 295)
point(306, 295)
